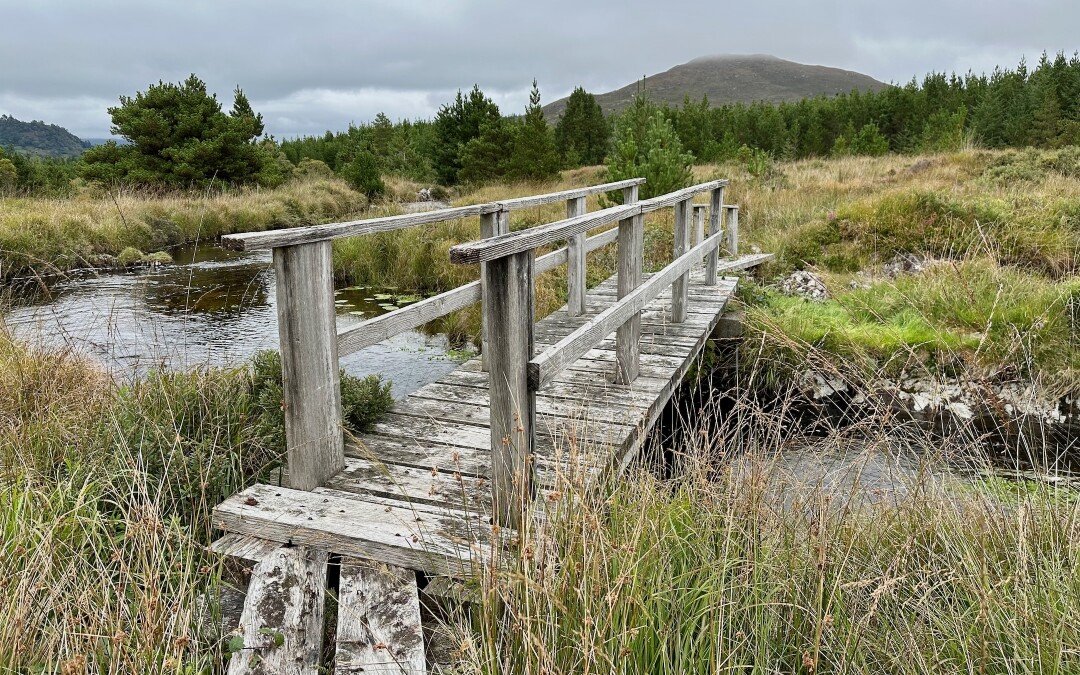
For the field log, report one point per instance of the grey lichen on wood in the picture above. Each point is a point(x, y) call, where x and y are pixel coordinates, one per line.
point(378, 628)
point(281, 624)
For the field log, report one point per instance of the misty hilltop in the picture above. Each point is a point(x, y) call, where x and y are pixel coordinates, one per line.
point(734, 79)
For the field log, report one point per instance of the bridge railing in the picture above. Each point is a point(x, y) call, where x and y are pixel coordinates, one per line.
point(309, 340)
point(509, 268)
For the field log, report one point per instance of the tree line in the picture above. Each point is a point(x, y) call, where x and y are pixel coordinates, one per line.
point(179, 137)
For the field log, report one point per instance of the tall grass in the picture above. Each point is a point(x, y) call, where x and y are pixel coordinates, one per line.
point(106, 492)
point(42, 236)
point(870, 546)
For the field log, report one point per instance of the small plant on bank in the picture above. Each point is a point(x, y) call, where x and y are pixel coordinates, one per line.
point(363, 400)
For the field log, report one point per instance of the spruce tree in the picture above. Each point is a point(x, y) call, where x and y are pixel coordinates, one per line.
point(646, 146)
point(534, 156)
point(582, 134)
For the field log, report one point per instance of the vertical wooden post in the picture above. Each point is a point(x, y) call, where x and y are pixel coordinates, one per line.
point(716, 208)
point(575, 261)
point(309, 363)
point(680, 290)
point(733, 230)
point(699, 223)
point(491, 225)
point(508, 323)
point(631, 253)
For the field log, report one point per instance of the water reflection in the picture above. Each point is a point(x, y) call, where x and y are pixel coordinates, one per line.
point(212, 307)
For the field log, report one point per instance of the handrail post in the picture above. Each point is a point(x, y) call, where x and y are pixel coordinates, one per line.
point(716, 208)
point(575, 261)
point(309, 363)
point(699, 223)
point(733, 230)
point(508, 323)
point(491, 225)
point(680, 290)
point(631, 254)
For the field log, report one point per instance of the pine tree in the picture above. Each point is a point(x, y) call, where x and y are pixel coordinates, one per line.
point(456, 124)
point(534, 156)
point(582, 134)
point(646, 146)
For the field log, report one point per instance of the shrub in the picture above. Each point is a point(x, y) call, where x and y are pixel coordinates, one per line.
point(363, 400)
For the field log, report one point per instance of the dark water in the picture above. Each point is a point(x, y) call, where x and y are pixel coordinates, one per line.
point(213, 307)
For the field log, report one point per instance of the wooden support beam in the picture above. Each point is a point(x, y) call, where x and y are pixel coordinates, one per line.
point(716, 207)
point(679, 290)
point(575, 261)
point(378, 626)
point(309, 363)
point(699, 223)
point(492, 224)
point(508, 323)
point(631, 254)
point(282, 619)
point(733, 230)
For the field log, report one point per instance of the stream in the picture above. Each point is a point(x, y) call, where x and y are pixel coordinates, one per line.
point(212, 307)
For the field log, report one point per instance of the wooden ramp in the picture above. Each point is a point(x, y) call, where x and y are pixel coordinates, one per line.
point(442, 481)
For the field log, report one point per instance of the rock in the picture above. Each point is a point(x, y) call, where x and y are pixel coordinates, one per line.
point(424, 195)
point(805, 284)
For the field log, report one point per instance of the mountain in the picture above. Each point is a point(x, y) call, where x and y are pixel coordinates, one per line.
point(39, 139)
point(733, 79)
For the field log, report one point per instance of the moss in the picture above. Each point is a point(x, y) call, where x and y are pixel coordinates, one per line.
point(130, 256)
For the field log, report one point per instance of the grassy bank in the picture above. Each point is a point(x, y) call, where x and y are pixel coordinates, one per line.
point(46, 236)
point(105, 499)
point(873, 547)
point(994, 237)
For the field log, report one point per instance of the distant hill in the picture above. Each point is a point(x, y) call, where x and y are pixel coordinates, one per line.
point(734, 79)
point(39, 139)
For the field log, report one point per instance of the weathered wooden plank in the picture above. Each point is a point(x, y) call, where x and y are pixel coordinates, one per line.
point(565, 195)
point(673, 198)
point(309, 362)
point(612, 423)
point(491, 225)
point(679, 288)
point(282, 619)
point(254, 241)
point(487, 250)
point(377, 329)
point(391, 535)
point(508, 323)
point(575, 261)
point(570, 348)
point(535, 237)
point(699, 223)
point(249, 549)
point(557, 257)
point(628, 275)
point(716, 205)
point(378, 628)
point(733, 230)
point(257, 241)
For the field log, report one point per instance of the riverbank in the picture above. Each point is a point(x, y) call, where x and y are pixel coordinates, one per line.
point(105, 498)
point(41, 237)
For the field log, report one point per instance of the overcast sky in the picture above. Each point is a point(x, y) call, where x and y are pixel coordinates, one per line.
point(312, 66)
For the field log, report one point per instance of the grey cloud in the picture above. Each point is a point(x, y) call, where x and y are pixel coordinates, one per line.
point(313, 66)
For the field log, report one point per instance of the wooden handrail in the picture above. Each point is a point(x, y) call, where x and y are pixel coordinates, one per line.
point(487, 250)
point(555, 358)
point(257, 241)
point(565, 195)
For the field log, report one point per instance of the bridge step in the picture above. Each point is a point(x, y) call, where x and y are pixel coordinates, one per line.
point(378, 627)
point(393, 535)
point(282, 621)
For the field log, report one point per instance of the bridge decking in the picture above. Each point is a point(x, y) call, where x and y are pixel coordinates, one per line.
point(414, 490)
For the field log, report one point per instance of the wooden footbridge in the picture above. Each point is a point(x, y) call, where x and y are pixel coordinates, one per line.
point(457, 468)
